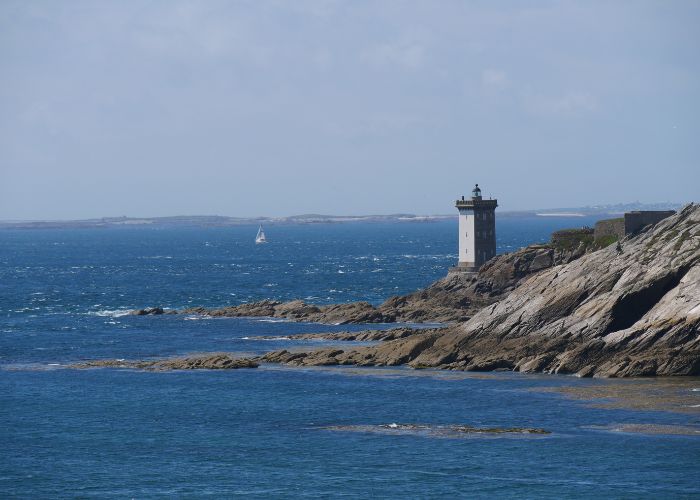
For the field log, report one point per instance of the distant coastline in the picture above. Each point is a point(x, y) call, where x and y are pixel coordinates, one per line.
point(560, 214)
point(224, 221)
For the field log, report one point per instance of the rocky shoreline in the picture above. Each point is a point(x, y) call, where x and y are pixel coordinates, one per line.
point(620, 311)
point(217, 361)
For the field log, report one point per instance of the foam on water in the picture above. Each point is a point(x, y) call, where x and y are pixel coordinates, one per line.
point(111, 313)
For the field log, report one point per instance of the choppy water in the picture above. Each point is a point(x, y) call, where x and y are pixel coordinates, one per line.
point(67, 433)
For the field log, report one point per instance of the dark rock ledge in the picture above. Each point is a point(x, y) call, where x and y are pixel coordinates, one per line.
point(217, 361)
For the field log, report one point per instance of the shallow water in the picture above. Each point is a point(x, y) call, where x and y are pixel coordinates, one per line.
point(129, 433)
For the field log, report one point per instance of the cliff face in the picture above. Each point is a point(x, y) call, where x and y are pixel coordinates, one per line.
point(632, 311)
point(629, 312)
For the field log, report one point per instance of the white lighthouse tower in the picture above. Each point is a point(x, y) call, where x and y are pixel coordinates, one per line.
point(477, 231)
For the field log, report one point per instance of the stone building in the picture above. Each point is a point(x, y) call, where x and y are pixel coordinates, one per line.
point(477, 231)
point(632, 223)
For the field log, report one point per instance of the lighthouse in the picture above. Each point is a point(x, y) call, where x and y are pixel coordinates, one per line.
point(477, 231)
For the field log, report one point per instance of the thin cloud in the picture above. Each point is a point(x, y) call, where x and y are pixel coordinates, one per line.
point(494, 79)
point(570, 103)
point(409, 55)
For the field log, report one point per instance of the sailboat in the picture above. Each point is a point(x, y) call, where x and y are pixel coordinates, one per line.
point(260, 238)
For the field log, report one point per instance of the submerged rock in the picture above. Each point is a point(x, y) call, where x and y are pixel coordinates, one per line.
point(439, 431)
point(149, 311)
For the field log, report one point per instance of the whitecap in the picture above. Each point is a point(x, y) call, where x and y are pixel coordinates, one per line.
point(112, 313)
point(265, 338)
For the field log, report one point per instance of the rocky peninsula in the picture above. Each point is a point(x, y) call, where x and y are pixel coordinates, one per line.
point(624, 310)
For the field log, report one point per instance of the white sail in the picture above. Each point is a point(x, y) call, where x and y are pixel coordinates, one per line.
point(260, 238)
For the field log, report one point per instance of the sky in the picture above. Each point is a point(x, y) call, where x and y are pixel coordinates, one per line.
point(272, 108)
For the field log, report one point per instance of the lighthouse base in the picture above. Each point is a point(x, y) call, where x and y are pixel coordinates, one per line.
point(464, 268)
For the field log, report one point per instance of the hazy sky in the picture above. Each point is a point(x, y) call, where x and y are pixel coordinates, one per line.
point(243, 108)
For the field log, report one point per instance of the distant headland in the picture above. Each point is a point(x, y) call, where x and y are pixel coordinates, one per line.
point(601, 211)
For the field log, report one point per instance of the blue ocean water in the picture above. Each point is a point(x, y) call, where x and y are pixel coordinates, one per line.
point(126, 433)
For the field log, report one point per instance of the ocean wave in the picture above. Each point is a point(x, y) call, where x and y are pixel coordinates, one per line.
point(111, 313)
point(265, 338)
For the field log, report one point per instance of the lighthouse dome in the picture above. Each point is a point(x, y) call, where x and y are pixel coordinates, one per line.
point(476, 192)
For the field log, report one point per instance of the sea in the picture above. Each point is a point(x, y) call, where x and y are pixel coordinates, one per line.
point(284, 432)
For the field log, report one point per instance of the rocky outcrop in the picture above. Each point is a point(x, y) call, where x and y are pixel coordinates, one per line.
point(396, 352)
point(203, 362)
point(297, 310)
point(627, 311)
point(361, 336)
point(152, 311)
